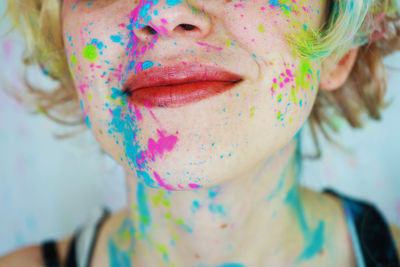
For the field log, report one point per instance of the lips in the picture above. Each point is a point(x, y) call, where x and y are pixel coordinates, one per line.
point(179, 85)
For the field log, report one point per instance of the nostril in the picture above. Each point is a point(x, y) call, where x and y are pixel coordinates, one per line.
point(150, 30)
point(187, 27)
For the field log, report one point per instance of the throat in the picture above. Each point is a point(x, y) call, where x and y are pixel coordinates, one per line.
point(246, 220)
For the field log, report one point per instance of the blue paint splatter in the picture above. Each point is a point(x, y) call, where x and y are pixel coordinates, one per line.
point(147, 64)
point(173, 2)
point(117, 257)
point(216, 209)
point(281, 181)
point(124, 123)
point(313, 239)
point(144, 214)
point(116, 38)
point(195, 206)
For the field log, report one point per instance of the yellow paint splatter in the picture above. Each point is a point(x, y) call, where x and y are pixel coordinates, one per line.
point(252, 110)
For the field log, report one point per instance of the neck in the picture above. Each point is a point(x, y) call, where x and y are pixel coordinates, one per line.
point(247, 216)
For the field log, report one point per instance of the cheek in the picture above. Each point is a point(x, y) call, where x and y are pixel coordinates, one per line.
point(263, 27)
point(94, 58)
point(293, 91)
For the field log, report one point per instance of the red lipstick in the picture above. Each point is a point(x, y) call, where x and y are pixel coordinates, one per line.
point(178, 85)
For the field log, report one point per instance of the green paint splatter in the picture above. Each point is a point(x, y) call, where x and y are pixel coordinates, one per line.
point(252, 111)
point(90, 52)
point(74, 60)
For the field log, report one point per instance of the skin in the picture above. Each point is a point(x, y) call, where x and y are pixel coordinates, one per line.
point(227, 179)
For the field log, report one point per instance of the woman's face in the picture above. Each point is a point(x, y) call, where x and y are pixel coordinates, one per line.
point(236, 92)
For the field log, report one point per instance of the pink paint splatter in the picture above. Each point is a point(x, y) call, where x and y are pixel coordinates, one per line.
point(82, 87)
point(180, 187)
point(162, 145)
point(194, 186)
point(138, 114)
point(161, 29)
point(162, 184)
point(149, 106)
point(209, 46)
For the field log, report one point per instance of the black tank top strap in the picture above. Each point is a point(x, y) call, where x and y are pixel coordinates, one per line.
point(373, 233)
point(50, 254)
point(71, 255)
point(81, 248)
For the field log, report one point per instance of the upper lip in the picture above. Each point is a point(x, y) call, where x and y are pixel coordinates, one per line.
point(179, 74)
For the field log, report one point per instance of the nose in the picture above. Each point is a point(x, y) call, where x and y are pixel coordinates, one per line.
point(170, 18)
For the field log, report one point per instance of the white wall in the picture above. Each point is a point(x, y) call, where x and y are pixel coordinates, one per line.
point(47, 186)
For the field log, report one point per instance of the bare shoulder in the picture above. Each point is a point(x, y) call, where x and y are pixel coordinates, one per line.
point(32, 255)
point(109, 228)
point(396, 236)
point(328, 210)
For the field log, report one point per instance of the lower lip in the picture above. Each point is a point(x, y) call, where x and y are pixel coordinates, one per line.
point(171, 96)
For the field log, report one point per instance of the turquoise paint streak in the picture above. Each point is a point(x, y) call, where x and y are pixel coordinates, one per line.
point(297, 160)
point(144, 214)
point(195, 206)
point(213, 191)
point(117, 258)
point(313, 239)
point(124, 124)
point(281, 182)
point(217, 209)
point(173, 2)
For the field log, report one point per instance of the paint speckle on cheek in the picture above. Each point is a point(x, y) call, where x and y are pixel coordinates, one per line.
point(90, 52)
point(173, 2)
point(293, 88)
point(162, 145)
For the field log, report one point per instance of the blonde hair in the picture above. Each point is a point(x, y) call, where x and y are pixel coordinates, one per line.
point(371, 25)
point(39, 21)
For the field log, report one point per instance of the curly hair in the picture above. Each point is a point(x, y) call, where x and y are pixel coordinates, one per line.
point(370, 25)
point(39, 21)
point(373, 27)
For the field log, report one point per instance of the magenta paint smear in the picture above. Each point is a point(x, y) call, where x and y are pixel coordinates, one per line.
point(161, 182)
point(284, 78)
point(209, 47)
point(161, 29)
point(138, 114)
point(162, 145)
point(194, 186)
